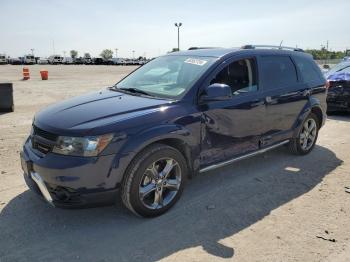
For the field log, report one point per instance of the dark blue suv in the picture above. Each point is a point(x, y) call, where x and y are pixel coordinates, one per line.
point(178, 115)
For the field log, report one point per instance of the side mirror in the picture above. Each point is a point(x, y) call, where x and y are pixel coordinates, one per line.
point(216, 92)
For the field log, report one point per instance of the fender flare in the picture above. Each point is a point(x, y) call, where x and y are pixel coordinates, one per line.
point(311, 105)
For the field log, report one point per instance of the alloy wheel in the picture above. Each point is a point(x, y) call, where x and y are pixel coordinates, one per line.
point(308, 134)
point(160, 183)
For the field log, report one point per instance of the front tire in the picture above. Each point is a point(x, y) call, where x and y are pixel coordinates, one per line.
point(307, 136)
point(154, 181)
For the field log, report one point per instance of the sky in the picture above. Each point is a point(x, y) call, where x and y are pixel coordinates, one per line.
point(147, 27)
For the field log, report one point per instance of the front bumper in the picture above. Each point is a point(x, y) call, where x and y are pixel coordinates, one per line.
point(338, 97)
point(338, 104)
point(66, 181)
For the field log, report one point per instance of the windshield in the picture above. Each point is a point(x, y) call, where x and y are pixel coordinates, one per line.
point(342, 67)
point(167, 76)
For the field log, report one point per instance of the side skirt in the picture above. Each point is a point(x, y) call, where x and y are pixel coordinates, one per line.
point(221, 164)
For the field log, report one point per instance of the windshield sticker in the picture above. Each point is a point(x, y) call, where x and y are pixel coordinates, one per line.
point(195, 61)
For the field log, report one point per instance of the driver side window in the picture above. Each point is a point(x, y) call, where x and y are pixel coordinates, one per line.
point(239, 75)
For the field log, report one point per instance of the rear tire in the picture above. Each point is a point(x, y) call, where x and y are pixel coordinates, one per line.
point(307, 136)
point(154, 181)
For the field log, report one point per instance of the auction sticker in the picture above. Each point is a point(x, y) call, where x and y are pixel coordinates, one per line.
point(195, 61)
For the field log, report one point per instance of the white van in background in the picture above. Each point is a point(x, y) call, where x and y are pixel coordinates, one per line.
point(3, 59)
point(43, 61)
point(55, 59)
point(67, 61)
point(28, 60)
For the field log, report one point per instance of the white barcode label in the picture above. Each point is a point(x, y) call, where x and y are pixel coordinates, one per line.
point(195, 61)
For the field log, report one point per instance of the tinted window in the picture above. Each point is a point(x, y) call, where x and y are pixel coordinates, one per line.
point(307, 68)
point(239, 75)
point(277, 71)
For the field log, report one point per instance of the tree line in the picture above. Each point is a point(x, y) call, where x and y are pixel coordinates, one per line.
point(323, 53)
point(105, 54)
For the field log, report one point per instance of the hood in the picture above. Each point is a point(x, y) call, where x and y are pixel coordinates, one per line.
point(339, 76)
point(93, 110)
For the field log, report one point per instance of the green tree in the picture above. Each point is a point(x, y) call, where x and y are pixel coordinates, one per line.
point(73, 53)
point(323, 53)
point(87, 55)
point(107, 54)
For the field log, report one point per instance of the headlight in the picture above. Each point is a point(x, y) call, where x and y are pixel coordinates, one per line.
point(81, 146)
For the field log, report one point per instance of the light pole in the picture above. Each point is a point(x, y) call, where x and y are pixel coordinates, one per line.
point(133, 54)
point(116, 53)
point(32, 49)
point(178, 25)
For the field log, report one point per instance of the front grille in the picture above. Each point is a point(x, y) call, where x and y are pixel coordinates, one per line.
point(42, 133)
point(42, 140)
point(43, 148)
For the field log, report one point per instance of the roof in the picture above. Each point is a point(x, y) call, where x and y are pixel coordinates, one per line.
point(220, 52)
point(213, 52)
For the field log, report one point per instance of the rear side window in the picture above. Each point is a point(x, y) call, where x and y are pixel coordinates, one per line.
point(277, 72)
point(308, 69)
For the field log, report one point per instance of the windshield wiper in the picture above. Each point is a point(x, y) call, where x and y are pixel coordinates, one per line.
point(134, 91)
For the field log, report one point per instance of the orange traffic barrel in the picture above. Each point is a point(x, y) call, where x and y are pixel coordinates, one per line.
point(26, 74)
point(44, 74)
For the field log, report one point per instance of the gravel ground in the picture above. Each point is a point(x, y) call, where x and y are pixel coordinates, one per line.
point(273, 207)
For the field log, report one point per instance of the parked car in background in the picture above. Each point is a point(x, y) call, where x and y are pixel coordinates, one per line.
point(338, 98)
point(43, 61)
point(78, 61)
point(55, 59)
point(16, 61)
point(142, 62)
point(99, 61)
point(28, 60)
point(147, 134)
point(116, 61)
point(87, 59)
point(67, 60)
point(347, 55)
point(3, 59)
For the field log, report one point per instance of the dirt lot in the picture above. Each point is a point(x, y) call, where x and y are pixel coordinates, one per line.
point(272, 207)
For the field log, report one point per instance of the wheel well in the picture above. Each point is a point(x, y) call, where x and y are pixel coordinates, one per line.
point(319, 115)
point(180, 146)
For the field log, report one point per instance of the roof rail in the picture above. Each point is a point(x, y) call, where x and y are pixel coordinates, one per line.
point(196, 48)
point(272, 47)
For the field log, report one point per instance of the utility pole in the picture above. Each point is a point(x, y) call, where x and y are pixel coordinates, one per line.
point(116, 53)
point(32, 49)
point(133, 54)
point(178, 25)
